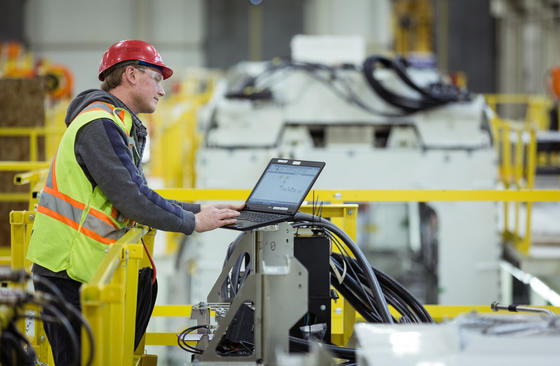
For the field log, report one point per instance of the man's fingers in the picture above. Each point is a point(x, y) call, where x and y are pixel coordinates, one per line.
point(212, 217)
point(227, 213)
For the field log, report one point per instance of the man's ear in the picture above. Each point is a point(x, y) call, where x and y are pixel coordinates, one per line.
point(129, 75)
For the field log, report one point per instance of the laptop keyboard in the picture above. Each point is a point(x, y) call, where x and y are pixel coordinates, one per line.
point(258, 216)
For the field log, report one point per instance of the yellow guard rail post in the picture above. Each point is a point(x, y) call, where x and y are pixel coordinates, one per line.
point(516, 146)
point(109, 302)
point(517, 169)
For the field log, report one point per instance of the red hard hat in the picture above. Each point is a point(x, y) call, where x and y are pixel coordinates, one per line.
point(132, 50)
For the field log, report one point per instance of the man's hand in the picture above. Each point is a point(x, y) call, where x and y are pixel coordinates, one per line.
point(211, 217)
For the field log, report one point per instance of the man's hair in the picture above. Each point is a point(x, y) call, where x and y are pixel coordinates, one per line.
point(113, 75)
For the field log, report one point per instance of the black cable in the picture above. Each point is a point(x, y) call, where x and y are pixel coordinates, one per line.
point(371, 280)
point(29, 355)
point(236, 270)
point(44, 318)
point(10, 354)
point(390, 297)
point(71, 308)
point(350, 288)
point(407, 104)
point(314, 70)
point(15, 352)
point(359, 285)
point(357, 303)
point(63, 320)
point(407, 302)
point(361, 297)
point(364, 307)
point(229, 286)
point(397, 296)
point(390, 284)
point(182, 342)
point(437, 95)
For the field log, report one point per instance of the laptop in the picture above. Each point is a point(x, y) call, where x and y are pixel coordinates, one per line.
point(278, 193)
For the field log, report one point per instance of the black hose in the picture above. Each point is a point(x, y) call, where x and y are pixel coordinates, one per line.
point(438, 95)
point(63, 320)
point(58, 295)
point(371, 279)
point(392, 285)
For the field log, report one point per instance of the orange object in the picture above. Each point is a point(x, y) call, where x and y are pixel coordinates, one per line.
point(60, 81)
point(132, 50)
point(554, 81)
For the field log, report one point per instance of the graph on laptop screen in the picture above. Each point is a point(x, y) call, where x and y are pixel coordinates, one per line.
point(286, 183)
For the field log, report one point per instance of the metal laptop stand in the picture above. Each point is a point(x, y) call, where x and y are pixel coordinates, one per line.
point(276, 289)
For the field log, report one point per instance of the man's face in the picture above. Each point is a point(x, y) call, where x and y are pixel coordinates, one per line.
point(148, 89)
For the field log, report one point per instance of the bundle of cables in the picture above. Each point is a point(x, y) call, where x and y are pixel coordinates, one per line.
point(436, 94)
point(15, 348)
point(259, 87)
point(368, 290)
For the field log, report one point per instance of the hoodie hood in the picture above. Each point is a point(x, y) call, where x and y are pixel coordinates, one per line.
point(85, 98)
point(89, 96)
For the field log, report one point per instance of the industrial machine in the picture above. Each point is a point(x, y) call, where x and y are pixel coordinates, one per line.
point(379, 123)
point(273, 295)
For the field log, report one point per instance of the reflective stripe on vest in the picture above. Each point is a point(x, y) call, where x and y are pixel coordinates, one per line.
point(97, 225)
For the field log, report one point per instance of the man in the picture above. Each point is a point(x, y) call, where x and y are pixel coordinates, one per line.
point(96, 190)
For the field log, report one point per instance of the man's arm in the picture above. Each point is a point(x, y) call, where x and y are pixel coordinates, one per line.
point(104, 156)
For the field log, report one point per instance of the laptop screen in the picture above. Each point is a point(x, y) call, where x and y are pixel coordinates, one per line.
point(284, 185)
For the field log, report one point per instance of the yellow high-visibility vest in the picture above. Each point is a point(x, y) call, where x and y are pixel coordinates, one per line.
point(76, 223)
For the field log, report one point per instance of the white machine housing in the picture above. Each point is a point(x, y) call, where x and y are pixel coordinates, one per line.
point(447, 147)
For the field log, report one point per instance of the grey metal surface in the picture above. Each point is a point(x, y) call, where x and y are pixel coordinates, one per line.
point(276, 290)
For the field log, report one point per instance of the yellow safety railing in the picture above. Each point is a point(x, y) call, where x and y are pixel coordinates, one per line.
point(33, 177)
point(339, 196)
point(36, 181)
point(51, 133)
point(109, 301)
point(516, 146)
point(442, 313)
point(535, 111)
point(536, 107)
point(517, 166)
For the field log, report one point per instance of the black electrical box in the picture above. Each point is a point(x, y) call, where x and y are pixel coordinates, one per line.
point(314, 253)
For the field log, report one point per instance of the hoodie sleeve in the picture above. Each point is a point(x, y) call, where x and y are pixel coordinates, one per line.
point(105, 158)
point(187, 206)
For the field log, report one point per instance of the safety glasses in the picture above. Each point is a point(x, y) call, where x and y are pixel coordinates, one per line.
point(155, 75)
